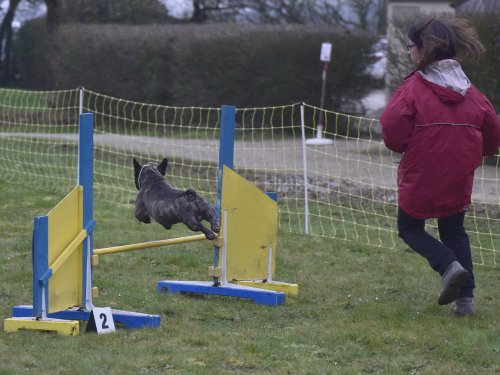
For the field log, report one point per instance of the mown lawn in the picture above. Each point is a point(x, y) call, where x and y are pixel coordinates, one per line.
point(360, 309)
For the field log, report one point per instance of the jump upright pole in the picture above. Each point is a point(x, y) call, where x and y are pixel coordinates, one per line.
point(85, 179)
point(226, 157)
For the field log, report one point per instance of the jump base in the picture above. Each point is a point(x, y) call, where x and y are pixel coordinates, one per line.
point(127, 319)
point(62, 327)
point(258, 296)
point(291, 290)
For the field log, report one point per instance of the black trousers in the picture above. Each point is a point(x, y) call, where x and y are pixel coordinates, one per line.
point(453, 244)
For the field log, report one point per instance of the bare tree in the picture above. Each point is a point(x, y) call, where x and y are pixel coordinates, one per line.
point(363, 14)
point(279, 11)
point(53, 18)
point(6, 34)
point(254, 11)
point(215, 10)
point(363, 8)
point(6, 42)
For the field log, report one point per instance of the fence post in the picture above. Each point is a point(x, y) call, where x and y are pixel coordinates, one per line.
point(80, 101)
point(304, 166)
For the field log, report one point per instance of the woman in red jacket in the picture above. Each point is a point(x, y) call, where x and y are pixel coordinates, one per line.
point(444, 126)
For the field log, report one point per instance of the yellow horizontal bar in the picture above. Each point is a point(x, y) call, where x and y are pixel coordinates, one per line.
point(63, 257)
point(150, 244)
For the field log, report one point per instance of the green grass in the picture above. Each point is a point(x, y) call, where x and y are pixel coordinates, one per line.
point(360, 309)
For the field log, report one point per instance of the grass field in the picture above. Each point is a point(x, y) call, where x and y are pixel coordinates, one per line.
point(360, 310)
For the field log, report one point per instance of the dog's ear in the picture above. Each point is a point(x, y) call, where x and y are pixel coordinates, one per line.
point(190, 194)
point(162, 167)
point(137, 170)
point(137, 166)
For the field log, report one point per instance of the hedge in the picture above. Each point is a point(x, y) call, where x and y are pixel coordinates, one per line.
point(197, 65)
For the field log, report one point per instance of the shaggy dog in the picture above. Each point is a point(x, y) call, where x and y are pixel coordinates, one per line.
point(159, 200)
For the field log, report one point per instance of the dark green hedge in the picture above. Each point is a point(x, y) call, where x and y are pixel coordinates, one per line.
point(486, 73)
point(196, 65)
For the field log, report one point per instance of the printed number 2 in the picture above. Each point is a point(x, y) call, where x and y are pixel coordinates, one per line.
point(104, 321)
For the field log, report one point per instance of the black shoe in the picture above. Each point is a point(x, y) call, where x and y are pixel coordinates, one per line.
point(451, 281)
point(464, 306)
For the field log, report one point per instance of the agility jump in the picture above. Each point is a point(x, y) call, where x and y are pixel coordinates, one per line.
point(61, 254)
point(243, 266)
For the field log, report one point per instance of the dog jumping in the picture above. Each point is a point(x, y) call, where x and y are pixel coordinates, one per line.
point(157, 199)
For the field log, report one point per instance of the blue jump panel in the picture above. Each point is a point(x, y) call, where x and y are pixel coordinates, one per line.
point(126, 318)
point(258, 296)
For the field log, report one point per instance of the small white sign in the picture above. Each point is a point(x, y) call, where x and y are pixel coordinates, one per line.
point(326, 52)
point(101, 320)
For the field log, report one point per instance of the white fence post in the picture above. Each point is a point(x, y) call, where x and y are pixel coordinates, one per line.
point(304, 166)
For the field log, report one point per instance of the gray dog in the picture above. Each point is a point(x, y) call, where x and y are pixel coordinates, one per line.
point(159, 200)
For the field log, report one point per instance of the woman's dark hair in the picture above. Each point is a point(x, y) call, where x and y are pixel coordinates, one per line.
point(448, 38)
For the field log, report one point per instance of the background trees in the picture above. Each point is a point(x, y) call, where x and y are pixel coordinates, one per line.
point(368, 15)
point(197, 65)
point(189, 61)
point(39, 58)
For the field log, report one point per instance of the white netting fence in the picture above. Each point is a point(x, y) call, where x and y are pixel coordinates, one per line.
point(342, 188)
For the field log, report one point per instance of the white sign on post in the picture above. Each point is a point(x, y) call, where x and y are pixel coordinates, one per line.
point(101, 320)
point(326, 52)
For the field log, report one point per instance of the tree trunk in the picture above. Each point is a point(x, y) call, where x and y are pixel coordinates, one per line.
point(53, 14)
point(199, 15)
point(6, 41)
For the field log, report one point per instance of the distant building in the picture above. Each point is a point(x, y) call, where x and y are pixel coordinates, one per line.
point(399, 16)
point(398, 8)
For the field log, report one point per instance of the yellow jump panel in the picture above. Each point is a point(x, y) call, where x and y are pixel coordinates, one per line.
point(291, 290)
point(252, 219)
point(63, 327)
point(65, 223)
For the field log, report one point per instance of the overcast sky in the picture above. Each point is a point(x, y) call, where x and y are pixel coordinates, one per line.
point(179, 8)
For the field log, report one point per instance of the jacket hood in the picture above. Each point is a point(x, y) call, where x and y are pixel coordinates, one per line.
point(447, 80)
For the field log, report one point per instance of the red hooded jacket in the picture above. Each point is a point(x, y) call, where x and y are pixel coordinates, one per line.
point(443, 135)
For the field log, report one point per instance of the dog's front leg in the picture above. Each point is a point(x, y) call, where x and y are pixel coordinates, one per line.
point(141, 212)
point(196, 226)
point(210, 215)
